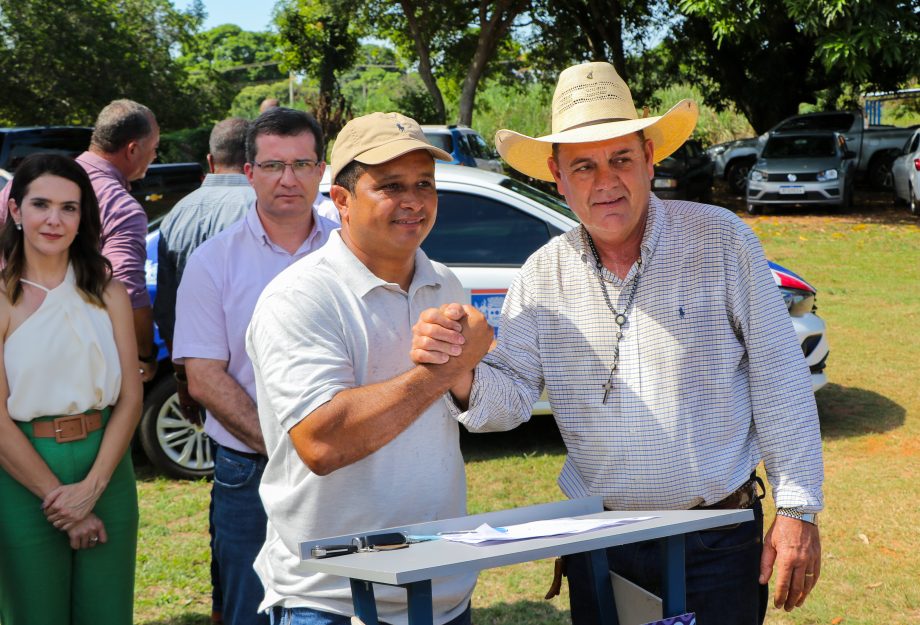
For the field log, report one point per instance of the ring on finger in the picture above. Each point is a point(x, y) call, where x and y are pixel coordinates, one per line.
point(809, 574)
point(93, 540)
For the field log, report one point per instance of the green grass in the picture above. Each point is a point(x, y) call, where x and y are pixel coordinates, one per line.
point(866, 265)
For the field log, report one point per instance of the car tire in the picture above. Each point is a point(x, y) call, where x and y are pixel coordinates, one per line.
point(847, 202)
point(736, 174)
point(914, 202)
point(753, 209)
point(174, 446)
point(880, 171)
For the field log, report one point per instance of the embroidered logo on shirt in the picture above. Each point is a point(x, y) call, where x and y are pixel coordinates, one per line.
point(680, 311)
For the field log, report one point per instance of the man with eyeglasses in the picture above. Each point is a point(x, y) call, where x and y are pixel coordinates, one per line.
point(217, 295)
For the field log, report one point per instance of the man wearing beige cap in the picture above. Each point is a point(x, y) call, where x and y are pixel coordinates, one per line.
point(359, 438)
point(667, 354)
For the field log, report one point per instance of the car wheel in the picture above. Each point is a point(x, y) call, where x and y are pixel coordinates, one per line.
point(173, 445)
point(736, 174)
point(753, 209)
point(914, 202)
point(880, 172)
point(847, 203)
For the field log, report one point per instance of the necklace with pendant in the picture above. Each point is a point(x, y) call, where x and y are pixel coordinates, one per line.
point(620, 318)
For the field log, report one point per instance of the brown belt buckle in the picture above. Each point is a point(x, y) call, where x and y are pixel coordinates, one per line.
point(68, 429)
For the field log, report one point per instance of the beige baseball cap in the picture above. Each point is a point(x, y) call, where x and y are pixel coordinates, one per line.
point(379, 138)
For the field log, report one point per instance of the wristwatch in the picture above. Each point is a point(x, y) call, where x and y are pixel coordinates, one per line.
point(798, 513)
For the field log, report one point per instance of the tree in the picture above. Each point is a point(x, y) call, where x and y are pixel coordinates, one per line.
point(445, 41)
point(61, 61)
point(221, 61)
point(319, 38)
point(775, 54)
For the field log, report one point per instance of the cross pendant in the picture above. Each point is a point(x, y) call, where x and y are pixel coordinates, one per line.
point(607, 388)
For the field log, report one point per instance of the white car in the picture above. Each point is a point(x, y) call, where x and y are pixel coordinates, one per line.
point(488, 224)
point(905, 172)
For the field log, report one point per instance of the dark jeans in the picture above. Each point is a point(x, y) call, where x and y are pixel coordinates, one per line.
point(238, 521)
point(307, 616)
point(723, 565)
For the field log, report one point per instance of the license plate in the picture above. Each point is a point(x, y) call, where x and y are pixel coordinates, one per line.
point(791, 189)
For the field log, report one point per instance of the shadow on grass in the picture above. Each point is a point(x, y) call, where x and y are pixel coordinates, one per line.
point(538, 436)
point(521, 613)
point(182, 619)
point(846, 411)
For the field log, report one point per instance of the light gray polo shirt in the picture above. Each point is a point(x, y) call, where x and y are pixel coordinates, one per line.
point(324, 325)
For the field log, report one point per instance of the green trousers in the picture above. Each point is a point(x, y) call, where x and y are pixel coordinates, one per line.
point(45, 582)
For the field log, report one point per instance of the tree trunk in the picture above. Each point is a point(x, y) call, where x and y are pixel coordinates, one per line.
point(422, 48)
point(491, 31)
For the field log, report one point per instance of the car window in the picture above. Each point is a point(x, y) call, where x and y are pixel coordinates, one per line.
point(440, 140)
point(478, 146)
point(66, 141)
point(915, 143)
point(839, 122)
point(547, 200)
point(798, 146)
point(475, 230)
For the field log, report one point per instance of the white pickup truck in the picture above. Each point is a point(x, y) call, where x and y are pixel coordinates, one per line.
point(876, 147)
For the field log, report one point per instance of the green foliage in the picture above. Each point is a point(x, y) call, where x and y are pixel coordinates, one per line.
point(713, 126)
point(319, 38)
point(221, 61)
point(182, 146)
point(769, 56)
point(61, 61)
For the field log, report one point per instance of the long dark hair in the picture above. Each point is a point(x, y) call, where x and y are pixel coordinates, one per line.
point(92, 270)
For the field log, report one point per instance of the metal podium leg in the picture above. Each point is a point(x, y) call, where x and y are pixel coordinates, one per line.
point(362, 596)
point(421, 610)
point(603, 588)
point(674, 584)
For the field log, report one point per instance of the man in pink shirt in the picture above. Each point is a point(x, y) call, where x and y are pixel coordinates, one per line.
point(123, 145)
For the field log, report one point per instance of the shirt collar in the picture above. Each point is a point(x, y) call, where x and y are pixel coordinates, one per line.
point(357, 277)
point(321, 229)
point(225, 180)
point(99, 163)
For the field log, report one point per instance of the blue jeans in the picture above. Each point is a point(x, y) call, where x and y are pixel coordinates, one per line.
point(238, 523)
point(308, 616)
point(723, 566)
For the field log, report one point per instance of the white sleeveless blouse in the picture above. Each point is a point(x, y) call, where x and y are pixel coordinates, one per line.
point(62, 359)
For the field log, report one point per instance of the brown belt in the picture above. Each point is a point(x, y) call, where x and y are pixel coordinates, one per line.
point(741, 499)
point(69, 428)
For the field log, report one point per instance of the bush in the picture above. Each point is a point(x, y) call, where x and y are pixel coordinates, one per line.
point(182, 146)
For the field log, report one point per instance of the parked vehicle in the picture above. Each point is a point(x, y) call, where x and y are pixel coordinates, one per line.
point(18, 143)
point(5, 177)
point(875, 146)
point(685, 175)
point(802, 168)
point(165, 184)
point(905, 173)
point(465, 145)
point(487, 226)
point(733, 161)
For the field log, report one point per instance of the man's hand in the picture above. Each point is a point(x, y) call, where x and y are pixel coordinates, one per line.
point(794, 547)
point(88, 533)
point(438, 335)
point(147, 370)
point(191, 409)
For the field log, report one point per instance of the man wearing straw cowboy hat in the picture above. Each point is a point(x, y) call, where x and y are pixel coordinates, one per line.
point(666, 352)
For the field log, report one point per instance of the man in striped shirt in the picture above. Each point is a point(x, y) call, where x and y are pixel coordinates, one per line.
point(667, 354)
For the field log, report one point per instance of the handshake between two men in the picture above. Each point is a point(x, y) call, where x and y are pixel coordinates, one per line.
point(455, 337)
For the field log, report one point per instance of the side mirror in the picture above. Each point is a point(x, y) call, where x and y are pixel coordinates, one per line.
point(849, 154)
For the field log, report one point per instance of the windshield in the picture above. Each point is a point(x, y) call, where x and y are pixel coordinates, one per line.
point(540, 196)
point(794, 147)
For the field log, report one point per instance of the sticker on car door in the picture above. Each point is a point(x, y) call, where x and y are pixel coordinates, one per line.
point(489, 303)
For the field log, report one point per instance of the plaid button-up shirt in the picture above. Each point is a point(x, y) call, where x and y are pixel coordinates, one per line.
point(711, 378)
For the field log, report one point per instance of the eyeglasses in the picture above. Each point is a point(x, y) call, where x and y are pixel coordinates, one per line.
point(300, 167)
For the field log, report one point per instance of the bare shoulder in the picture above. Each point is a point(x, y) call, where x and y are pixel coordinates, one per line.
point(115, 295)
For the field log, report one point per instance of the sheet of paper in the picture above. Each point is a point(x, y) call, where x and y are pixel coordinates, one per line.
point(536, 529)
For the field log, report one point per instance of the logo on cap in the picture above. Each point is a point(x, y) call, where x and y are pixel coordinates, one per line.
point(401, 127)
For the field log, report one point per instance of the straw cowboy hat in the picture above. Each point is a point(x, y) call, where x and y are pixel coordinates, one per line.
point(592, 103)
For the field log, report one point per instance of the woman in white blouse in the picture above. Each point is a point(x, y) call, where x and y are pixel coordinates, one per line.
point(71, 399)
